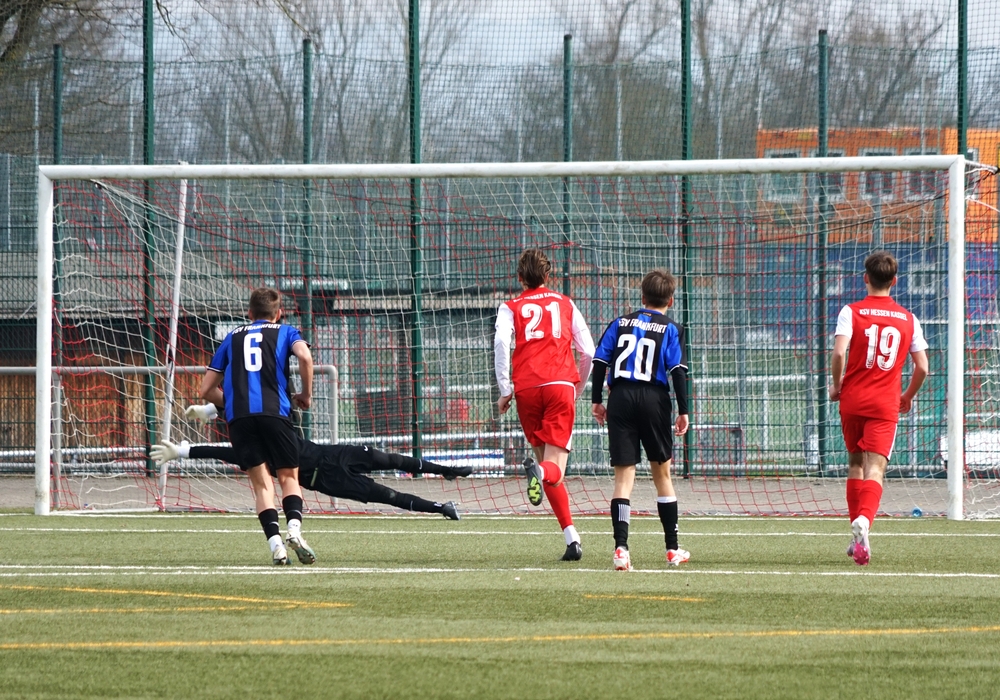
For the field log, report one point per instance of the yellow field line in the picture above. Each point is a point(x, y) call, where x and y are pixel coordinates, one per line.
point(116, 611)
point(646, 597)
point(71, 646)
point(172, 594)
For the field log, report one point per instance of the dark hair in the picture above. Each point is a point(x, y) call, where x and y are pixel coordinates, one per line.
point(264, 303)
point(533, 268)
point(881, 268)
point(658, 288)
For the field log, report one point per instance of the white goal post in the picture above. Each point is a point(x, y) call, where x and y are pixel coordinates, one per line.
point(956, 179)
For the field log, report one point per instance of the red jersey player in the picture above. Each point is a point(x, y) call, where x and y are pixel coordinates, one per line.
point(870, 391)
point(547, 380)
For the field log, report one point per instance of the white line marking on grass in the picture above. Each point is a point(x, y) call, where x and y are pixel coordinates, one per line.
point(482, 533)
point(50, 570)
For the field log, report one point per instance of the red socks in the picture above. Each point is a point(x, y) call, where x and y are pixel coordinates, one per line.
point(869, 498)
point(559, 500)
point(853, 495)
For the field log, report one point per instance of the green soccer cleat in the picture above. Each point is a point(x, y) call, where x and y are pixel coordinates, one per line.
point(534, 481)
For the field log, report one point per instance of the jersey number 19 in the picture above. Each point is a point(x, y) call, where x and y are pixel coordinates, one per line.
point(888, 346)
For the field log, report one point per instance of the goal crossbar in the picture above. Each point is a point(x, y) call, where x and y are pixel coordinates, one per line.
point(954, 165)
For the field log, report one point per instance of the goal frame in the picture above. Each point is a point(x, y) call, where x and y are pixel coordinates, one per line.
point(954, 164)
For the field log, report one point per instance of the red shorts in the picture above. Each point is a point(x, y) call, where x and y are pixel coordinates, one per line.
point(547, 414)
point(863, 434)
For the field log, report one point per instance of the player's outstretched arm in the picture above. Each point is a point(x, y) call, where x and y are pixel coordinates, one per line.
point(301, 350)
point(167, 451)
point(920, 370)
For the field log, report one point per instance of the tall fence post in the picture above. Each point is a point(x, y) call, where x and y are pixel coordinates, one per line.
point(823, 206)
point(148, 246)
point(416, 232)
point(307, 256)
point(963, 76)
point(567, 155)
point(686, 154)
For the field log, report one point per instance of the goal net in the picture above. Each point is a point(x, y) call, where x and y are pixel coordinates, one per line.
point(394, 274)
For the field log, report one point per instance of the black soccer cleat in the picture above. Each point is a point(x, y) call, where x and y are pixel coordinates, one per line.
point(534, 475)
point(451, 473)
point(450, 511)
point(574, 552)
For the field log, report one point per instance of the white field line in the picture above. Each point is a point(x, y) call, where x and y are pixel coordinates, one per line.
point(422, 516)
point(481, 533)
point(34, 571)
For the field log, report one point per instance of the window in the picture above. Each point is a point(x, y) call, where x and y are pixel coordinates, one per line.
point(834, 181)
point(877, 184)
point(972, 176)
point(783, 187)
point(926, 184)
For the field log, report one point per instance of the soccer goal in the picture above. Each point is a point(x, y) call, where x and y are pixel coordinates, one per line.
point(394, 274)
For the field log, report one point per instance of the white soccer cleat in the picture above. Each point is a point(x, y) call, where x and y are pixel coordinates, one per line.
point(280, 555)
point(302, 550)
point(862, 551)
point(676, 557)
point(622, 560)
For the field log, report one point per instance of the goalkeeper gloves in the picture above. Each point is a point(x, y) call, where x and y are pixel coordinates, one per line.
point(167, 451)
point(204, 413)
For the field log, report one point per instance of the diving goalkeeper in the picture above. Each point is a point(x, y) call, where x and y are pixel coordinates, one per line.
point(338, 471)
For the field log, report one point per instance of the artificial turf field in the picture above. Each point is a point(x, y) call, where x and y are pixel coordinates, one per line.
point(399, 607)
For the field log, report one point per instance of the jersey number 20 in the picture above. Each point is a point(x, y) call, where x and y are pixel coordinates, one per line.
point(642, 369)
point(253, 359)
point(888, 346)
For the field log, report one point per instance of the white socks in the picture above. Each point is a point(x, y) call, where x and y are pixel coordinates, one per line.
point(273, 542)
point(294, 528)
point(571, 535)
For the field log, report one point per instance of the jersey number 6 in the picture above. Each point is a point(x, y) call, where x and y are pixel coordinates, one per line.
point(888, 346)
point(253, 359)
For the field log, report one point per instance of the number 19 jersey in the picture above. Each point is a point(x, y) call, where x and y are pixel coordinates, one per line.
point(253, 360)
point(882, 333)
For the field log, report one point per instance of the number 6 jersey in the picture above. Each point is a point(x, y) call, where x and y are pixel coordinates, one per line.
point(546, 326)
point(253, 360)
point(881, 334)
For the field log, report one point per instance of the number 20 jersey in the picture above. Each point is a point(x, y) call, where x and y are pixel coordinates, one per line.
point(644, 347)
point(253, 360)
point(882, 334)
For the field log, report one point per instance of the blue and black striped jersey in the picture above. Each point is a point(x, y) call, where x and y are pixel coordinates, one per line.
point(644, 346)
point(253, 360)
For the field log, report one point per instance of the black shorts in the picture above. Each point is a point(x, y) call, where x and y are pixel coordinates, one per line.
point(264, 440)
point(639, 413)
point(342, 471)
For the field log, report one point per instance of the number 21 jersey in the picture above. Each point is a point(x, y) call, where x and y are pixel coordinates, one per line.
point(546, 327)
point(882, 334)
point(253, 360)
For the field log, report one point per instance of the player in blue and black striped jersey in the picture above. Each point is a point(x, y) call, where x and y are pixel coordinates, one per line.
point(642, 350)
point(252, 367)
